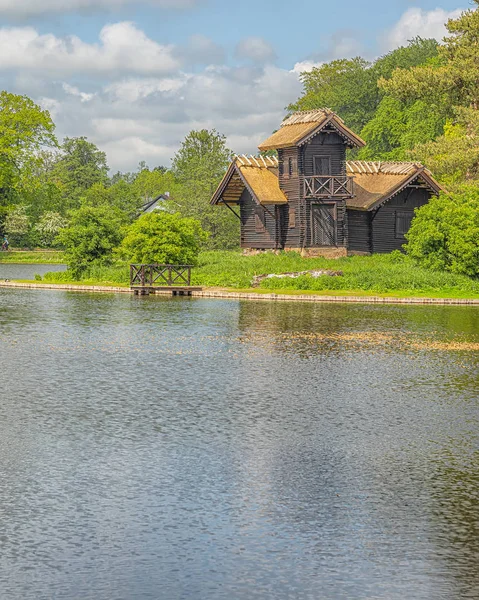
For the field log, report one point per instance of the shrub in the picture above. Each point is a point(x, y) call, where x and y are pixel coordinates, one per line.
point(48, 228)
point(162, 237)
point(444, 234)
point(17, 225)
point(91, 236)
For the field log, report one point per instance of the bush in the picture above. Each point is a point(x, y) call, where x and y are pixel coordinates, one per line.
point(91, 236)
point(162, 237)
point(444, 234)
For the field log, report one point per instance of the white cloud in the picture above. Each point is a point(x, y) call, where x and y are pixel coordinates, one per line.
point(256, 49)
point(201, 50)
point(138, 118)
point(74, 91)
point(417, 22)
point(305, 66)
point(27, 8)
point(122, 47)
point(136, 98)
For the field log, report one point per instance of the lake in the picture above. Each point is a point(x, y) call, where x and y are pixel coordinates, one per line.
point(26, 271)
point(157, 448)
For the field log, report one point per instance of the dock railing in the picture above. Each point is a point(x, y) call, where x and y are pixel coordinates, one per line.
point(160, 275)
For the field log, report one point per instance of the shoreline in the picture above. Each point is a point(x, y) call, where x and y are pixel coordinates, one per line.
point(224, 294)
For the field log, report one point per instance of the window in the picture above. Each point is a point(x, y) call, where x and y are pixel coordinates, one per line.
point(290, 167)
point(403, 222)
point(259, 220)
point(322, 165)
point(292, 218)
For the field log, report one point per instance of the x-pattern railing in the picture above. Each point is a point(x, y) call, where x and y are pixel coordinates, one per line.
point(326, 186)
point(160, 275)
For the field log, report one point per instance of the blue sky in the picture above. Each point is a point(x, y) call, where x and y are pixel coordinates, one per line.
point(136, 76)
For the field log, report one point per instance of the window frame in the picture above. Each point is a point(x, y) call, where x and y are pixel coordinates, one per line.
point(399, 234)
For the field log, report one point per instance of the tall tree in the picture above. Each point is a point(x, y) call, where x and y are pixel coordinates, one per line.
point(452, 83)
point(81, 165)
point(349, 86)
point(198, 166)
point(24, 129)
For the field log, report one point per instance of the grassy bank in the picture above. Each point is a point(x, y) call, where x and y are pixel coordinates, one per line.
point(34, 257)
point(387, 275)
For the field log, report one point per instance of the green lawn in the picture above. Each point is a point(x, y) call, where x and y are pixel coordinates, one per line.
point(383, 275)
point(33, 257)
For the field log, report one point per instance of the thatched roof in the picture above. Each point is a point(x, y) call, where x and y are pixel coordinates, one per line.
point(302, 126)
point(376, 182)
point(258, 175)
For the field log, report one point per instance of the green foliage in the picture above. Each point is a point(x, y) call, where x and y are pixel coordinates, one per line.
point(91, 236)
point(397, 127)
point(34, 257)
point(451, 86)
point(444, 235)
point(17, 225)
point(80, 166)
point(349, 86)
point(164, 238)
point(454, 156)
point(48, 228)
point(24, 129)
point(390, 274)
point(199, 166)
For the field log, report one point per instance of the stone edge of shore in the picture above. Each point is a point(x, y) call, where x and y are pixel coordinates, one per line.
point(210, 293)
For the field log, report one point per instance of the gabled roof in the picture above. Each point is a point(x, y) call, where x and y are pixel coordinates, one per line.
point(258, 175)
point(376, 182)
point(302, 126)
point(154, 203)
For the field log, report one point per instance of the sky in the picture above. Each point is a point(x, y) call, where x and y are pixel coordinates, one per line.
point(135, 76)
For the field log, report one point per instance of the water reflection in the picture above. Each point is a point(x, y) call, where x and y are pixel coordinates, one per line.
point(173, 448)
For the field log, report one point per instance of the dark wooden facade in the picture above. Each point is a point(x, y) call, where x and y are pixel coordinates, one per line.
point(312, 222)
point(383, 229)
point(259, 224)
point(317, 199)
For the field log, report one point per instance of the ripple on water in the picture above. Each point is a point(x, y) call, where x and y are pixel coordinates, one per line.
point(155, 448)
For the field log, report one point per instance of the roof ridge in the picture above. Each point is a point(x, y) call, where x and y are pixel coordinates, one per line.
point(315, 115)
point(261, 162)
point(386, 167)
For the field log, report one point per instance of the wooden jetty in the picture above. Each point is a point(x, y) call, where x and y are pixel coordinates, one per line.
point(147, 279)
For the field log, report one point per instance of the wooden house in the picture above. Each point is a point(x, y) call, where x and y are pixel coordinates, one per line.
point(310, 196)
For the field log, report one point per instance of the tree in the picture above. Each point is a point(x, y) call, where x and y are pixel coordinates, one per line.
point(48, 228)
point(164, 238)
point(397, 128)
point(150, 184)
point(91, 236)
point(17, 224)
point(80, 166)
point(198, 166)
point(349, 86)
point(451, 84)
point(24, 129)
point(444, 234)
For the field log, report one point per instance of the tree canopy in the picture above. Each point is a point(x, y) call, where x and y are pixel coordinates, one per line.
point(198, 167)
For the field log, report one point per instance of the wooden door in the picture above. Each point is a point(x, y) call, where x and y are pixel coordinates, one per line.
point(323, 230)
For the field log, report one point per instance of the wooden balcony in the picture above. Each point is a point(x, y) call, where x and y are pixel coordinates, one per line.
point(329, 186)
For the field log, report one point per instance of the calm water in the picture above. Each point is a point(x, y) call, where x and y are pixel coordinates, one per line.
point(19, 271)
point(207, 449)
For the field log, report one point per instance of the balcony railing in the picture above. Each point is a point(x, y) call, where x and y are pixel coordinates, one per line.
point(329, 186)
